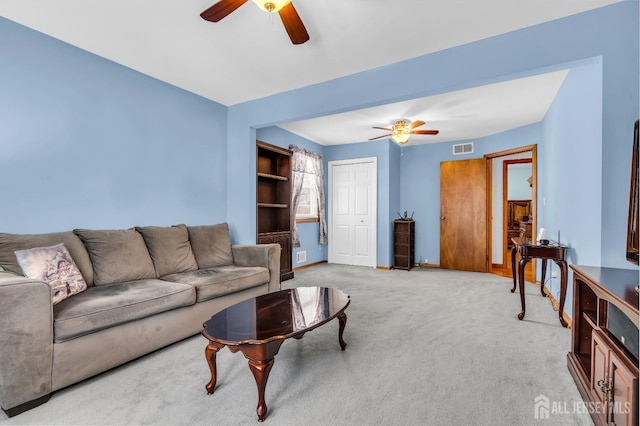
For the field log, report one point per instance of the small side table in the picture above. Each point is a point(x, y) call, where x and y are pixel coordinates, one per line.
point(528, 249)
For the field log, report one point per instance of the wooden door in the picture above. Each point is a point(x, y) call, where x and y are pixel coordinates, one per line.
point(599, 374)
point(624, 392)
point(463, 215)
point(613, 385)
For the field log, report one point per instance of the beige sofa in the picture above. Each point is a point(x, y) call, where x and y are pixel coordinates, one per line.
point(146, 288)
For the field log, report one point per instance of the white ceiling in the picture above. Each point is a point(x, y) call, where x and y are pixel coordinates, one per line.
point(248, 54)
point(461, 115)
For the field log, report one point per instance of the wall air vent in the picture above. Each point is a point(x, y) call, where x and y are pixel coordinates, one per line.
point(463, 148)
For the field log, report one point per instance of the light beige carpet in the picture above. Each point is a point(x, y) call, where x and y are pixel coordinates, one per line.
point(427, 346)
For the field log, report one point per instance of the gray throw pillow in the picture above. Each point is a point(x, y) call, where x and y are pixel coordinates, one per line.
point(10, 243)
point(169, 248)
point(117, 255)
point(211, 245)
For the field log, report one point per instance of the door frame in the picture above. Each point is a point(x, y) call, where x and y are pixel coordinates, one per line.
point(373, 245)
point(534, 196)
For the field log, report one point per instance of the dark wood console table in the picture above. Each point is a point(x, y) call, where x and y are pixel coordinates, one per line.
point(528, 249)
point(604, 342)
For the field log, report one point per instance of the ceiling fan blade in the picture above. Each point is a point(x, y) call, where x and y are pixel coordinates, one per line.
point(417, 123)
point(221, 9)
point(293, 24)
point(384, 128)
point(425, 132)
point(380, 137)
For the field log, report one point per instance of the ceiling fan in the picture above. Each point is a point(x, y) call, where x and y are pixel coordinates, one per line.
point(401, 129)
point(290, 18)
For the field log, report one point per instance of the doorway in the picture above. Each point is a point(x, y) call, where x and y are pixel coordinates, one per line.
point(516, 200)
point(505, 218)
point(353, 219)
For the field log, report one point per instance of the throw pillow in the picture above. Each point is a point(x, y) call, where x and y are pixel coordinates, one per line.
point(211, 245)
point(54, 266)
point(169, 248)
point(10, 243)
point(117, 255)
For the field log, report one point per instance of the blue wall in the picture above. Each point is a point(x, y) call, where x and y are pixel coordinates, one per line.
point(85, 142)
point(387, 175)
point(519, 187)
point(395, 191)
point(570, 191)
point(388, 156)
point(420, 180)
point(610, 32)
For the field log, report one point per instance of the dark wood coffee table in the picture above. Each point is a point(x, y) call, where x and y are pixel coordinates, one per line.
point(258, 326)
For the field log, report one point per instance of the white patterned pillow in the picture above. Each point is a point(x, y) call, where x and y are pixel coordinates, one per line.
point(54, 266)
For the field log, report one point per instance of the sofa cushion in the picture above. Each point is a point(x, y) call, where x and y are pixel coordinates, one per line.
point(169, 248)
point(105, 306)
point(215, 282)
point(55, 266)
point(211, 245)
point(117, 255)
point(10, 243)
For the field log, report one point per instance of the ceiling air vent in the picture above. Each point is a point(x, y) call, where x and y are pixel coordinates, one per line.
point(463, 148)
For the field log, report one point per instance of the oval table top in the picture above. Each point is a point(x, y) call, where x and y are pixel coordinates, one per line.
point(278, 315)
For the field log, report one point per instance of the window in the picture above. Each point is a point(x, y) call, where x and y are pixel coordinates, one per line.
point(308, 205)
point(307, 169)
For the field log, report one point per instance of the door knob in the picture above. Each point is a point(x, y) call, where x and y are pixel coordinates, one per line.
point(362, 221)
point(442, 217)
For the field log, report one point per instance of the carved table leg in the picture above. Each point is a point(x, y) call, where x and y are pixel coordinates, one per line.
point(563, 289)
point(261, 358)
point(514, 250)
point(210, 353)
point(260, 370)
point(342, 319)
point(544, 273)
point(521, 265)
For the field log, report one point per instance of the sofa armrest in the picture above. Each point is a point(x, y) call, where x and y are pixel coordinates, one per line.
point(265, 255)
point(26, 339)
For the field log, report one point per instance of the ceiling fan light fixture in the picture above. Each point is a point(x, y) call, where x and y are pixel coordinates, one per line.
point(401, 131)
point(271, 6)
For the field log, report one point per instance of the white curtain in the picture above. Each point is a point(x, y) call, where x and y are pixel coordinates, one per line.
point(308, 164)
